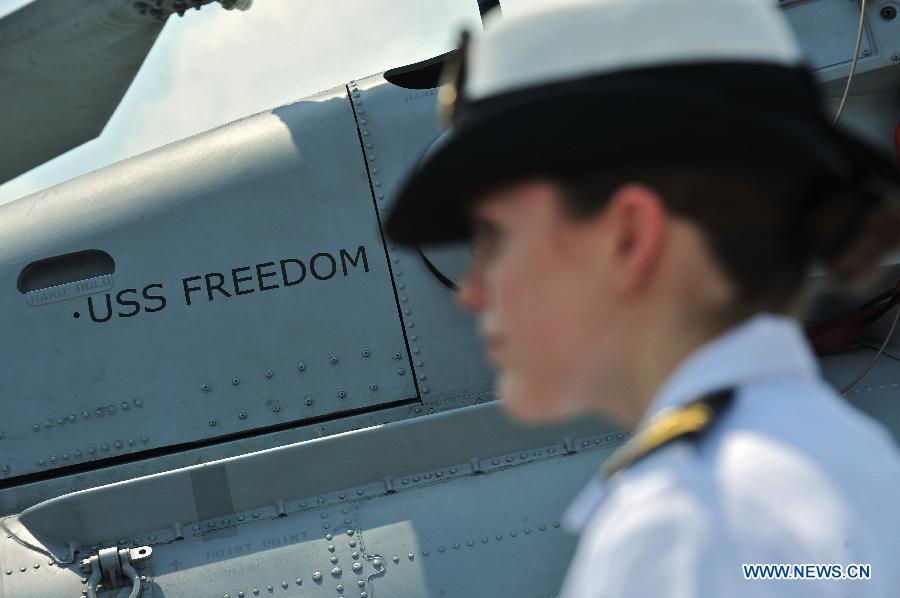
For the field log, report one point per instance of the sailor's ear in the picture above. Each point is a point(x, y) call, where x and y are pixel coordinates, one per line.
point(636, 223)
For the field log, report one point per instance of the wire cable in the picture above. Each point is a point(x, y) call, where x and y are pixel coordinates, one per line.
point(881, 349)
point(859, 33)
point(874, 347)
point(837, 118)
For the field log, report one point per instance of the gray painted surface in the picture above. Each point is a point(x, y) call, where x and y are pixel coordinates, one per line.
point(312, 336)
point(407, 488)
point(397, 126)
point(828, 30)
point(64, 67)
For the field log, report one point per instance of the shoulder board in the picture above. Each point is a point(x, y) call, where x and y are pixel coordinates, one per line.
point(666, 426)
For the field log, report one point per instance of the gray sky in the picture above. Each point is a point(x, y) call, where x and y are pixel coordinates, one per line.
point(213, 66)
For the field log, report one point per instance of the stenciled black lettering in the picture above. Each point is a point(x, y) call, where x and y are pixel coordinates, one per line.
point(217, 287)
point(126, 303)
point(147, 296)
point(108, 309)
point(312, 266)
point(284, 274)
point(188, 290)
point(360, 253)
point(260, 276)
point(237, 281)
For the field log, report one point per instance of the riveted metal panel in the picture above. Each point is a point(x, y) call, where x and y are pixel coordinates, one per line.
point(397, 126)
point(19, 497)
point(410, 522)
point(876, 393)
point(390, 545)
point(826, 30)
point(495, 536)
point(250, 290)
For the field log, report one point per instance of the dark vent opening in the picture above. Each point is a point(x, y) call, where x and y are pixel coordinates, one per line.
point(421, 75)
point(62, 269)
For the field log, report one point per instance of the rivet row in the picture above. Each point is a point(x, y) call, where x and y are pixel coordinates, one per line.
point(90, 451)
point(123, 407)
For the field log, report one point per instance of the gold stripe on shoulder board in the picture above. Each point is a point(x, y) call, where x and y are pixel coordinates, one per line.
point(666, 426)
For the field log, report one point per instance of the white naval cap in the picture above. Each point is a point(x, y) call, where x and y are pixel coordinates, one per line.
point(582, 86)
point(572, 39)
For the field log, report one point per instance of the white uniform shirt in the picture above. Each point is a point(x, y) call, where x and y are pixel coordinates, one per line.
point(789, 473)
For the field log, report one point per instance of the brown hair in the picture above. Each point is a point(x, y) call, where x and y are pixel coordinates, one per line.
point(765, 226)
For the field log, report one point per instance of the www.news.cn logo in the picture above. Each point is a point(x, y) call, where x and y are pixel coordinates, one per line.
point(807, 571)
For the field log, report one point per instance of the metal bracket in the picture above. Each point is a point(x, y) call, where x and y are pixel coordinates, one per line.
point(114, 566)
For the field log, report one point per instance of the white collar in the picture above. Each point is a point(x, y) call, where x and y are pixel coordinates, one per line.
point(762, 347)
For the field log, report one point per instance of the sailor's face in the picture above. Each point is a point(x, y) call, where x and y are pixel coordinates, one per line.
point(541, 300)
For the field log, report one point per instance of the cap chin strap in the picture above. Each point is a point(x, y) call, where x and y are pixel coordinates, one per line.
point(437, 273)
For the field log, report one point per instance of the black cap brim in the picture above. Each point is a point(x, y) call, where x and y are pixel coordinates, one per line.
point(708, 114)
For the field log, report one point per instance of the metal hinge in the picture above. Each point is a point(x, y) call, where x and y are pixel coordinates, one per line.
point(113, 567)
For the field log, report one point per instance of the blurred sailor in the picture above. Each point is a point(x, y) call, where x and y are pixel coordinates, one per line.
point(646, 184)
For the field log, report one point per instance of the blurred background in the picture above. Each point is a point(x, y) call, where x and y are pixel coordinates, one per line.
point(213, 66)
